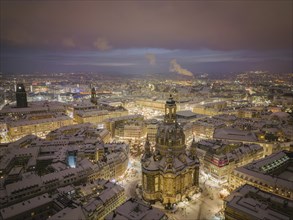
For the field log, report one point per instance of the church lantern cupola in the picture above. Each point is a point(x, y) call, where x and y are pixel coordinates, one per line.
point(170, 111)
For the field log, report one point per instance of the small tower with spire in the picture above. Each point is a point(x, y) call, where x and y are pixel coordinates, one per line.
point(193, 147)
point(147, 148)
point(94, 96)
point(193, 156)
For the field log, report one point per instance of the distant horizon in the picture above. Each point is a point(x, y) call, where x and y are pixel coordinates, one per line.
point(199, 75)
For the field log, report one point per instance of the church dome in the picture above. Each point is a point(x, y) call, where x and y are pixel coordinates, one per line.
point(170, 135)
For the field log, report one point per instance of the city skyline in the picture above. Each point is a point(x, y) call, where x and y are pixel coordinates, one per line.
point(146, 37)
point(163, 110)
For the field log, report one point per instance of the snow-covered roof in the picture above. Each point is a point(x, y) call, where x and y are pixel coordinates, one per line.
point(37, 121)
point(24, 206)
point(234, 134)
point(70, 214)
point(31, 181)
point(259, 204)
point(135, 210)
point(263, 170)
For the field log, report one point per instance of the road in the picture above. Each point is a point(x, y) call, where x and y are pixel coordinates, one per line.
point(130, 186)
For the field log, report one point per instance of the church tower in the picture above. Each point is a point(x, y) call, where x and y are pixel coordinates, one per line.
point(21, 99)
point(94, 96)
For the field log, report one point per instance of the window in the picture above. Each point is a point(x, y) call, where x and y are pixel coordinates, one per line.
point(156, 183)
point(144, 181)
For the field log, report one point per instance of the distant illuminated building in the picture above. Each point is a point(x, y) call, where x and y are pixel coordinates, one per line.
point(21, 99)
point(132, 130)
point(113, 124)
point(152, 129)
point(169, 174)
point(84, 112)
point(37, 124)
point(154, 104)
point(213, 108)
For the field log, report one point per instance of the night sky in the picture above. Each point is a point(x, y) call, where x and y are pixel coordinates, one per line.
point(186, 37)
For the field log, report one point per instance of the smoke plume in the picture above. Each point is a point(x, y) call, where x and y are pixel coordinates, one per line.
point(175, 67)
point(102, 44)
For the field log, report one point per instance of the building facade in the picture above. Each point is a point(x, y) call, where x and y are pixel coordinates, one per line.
point(219, 158)
point(271, 174)
point(40, 125)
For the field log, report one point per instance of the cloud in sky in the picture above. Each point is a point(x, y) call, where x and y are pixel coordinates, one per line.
point(203, 35)
point(224, 25)
point(151, 58)
point(102, 44)
point(175, 67)
point(109, 64)
point(68, 42)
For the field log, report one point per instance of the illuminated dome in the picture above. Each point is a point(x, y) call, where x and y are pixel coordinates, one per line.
point(170, 136)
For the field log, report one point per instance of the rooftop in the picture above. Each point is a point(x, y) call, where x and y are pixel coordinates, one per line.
point(186, 113)
point(40, 106)
point(19, 208)
point(235, 134)
point(274, 170)
point(258, 204)
point(135, 210)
